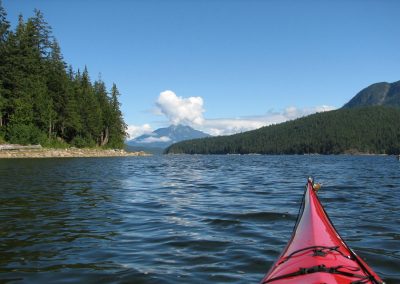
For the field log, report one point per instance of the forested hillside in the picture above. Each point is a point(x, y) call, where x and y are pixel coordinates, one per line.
point(44, 101)
point(360, 130)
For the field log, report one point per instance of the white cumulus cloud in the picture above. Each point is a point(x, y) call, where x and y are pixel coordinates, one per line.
point(137, 130)
point(181, 110)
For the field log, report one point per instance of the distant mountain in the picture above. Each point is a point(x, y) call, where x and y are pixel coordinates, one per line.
point(374, 130)
point(163, 137)
point(387, 94)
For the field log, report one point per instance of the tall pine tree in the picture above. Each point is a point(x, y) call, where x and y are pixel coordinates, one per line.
point(117, 124)
point(4, 32)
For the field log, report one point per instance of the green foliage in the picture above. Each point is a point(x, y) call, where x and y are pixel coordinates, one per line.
point(54, 143)
point(83, 142)
point(24, 134)
point(2, 137)
point(374, 130)
point(117, 126)
point(42, 101)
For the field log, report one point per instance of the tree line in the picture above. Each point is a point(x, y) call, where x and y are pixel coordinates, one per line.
point(374, 130)
point(42, 100)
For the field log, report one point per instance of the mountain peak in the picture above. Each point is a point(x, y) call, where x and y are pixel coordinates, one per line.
point(163, 137)
point(382, 93)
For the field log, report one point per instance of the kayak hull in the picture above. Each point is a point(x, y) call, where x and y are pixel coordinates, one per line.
point(316, 253)
point(317, 278)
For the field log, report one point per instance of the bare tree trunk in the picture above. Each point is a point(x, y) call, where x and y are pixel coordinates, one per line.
point(106, 137)
point(49, 128)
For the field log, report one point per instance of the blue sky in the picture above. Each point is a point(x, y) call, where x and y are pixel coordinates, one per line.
point(227, 66)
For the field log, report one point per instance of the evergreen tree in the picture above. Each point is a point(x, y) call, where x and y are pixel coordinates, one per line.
point(90, 110)
point(4, 24)
point(117, 124)
point(4, 31)
point(57, 82)
point(22, 67)
point(72, 125)
point(42, 34)
point(41, 101)
point(105, 106)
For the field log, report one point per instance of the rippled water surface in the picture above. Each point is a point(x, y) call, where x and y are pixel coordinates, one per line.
point(185, 219)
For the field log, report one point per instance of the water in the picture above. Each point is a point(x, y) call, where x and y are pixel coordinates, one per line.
point(185, 219)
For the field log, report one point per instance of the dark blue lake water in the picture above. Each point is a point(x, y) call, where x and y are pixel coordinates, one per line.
point(185, 219)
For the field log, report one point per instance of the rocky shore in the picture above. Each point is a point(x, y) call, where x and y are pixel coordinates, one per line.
point(36, 151)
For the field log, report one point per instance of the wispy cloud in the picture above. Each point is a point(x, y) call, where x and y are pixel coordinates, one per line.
point(227, 126)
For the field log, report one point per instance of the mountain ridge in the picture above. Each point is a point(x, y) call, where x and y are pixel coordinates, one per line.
point(368, 123)
point(382, 93)
point(369, 130)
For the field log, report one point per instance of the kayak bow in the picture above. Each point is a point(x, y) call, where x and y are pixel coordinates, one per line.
point(316, 253)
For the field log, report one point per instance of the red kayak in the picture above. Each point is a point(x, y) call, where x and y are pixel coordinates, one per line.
point(316, 254)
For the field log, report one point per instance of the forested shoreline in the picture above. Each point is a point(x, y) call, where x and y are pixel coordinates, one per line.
point(364, 130)
point(44, 101)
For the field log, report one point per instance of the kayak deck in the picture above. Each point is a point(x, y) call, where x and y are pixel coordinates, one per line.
point(316, 253)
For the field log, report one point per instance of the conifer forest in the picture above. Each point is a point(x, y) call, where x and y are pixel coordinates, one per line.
point(45, 101)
